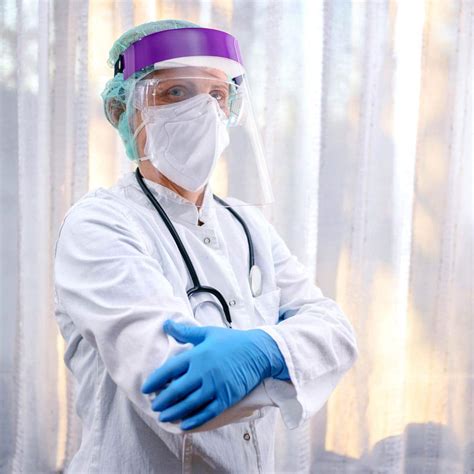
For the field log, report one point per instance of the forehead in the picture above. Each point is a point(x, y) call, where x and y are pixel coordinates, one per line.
point(188, 71)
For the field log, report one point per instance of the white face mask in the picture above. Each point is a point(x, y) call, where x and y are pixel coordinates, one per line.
point(184, 140)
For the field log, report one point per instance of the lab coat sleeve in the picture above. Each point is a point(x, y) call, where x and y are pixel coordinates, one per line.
point(117, 296)
point(314, 336)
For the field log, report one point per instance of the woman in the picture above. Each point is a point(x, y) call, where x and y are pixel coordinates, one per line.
point(176, 299)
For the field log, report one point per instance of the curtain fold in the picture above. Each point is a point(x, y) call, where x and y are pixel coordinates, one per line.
point(365, 110)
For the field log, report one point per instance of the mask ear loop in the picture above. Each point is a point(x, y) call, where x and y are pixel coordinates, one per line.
point(135, 135)
point(138, 130)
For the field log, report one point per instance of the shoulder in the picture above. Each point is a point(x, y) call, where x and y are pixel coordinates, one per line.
point(97, 204)
point(103, 202)
point(248, 211)
point(96, 217)
point(256, 218)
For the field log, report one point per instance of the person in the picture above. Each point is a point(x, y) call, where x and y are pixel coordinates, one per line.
point(189, 325)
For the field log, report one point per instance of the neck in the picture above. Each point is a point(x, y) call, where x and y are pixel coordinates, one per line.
point(148, 171)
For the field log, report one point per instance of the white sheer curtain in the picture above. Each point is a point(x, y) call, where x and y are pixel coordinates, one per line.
point(365, 109)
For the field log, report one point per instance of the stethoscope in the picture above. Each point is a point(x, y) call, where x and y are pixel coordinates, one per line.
point(255, 275)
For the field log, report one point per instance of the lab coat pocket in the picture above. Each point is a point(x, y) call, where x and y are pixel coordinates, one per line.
point(267, 307)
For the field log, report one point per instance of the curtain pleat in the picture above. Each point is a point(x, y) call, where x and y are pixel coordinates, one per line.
point(69, 165)
point(35, 353)
point(9, 337)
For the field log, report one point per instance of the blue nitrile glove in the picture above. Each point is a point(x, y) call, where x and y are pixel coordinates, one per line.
point(222, 368)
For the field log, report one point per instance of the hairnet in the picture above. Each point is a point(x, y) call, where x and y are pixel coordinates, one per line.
point(116, 89)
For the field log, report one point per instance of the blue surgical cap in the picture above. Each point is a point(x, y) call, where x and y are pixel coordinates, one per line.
point(117, 90)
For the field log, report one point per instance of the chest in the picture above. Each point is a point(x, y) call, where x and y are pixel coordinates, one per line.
point(219, 254)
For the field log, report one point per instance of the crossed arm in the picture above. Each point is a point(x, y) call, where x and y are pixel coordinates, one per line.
point(118, 298)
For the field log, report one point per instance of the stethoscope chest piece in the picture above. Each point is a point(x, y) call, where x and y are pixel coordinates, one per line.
point(255, 280)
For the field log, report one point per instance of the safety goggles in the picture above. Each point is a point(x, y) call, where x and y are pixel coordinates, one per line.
point(156, 92)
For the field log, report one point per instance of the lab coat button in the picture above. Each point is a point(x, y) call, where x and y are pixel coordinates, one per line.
point(246, 436)
point(232, 303)
point(207, 240)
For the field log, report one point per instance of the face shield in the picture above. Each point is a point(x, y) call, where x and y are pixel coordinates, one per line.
point(190, 103)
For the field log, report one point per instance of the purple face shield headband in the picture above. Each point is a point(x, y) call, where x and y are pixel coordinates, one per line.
point(178, 43)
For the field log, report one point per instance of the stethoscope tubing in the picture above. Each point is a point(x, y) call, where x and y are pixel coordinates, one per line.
point(197, 287)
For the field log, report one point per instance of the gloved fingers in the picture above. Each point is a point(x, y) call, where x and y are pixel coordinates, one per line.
point(177, 390)
point(200, 397)
point(184, 333)
point(171, 369)
point(208, 413)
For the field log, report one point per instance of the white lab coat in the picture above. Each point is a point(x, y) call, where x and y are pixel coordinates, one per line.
point(119, 276)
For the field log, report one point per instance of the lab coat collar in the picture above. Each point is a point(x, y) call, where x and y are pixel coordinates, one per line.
point(177, 207)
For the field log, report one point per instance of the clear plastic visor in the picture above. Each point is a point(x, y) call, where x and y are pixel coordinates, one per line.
point(240, 175)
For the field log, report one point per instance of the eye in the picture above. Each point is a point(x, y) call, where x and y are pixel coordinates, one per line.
point(219, 95)
point(216, 94)
point(176, 91)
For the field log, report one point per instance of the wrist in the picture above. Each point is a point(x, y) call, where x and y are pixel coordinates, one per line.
point(275, 365)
